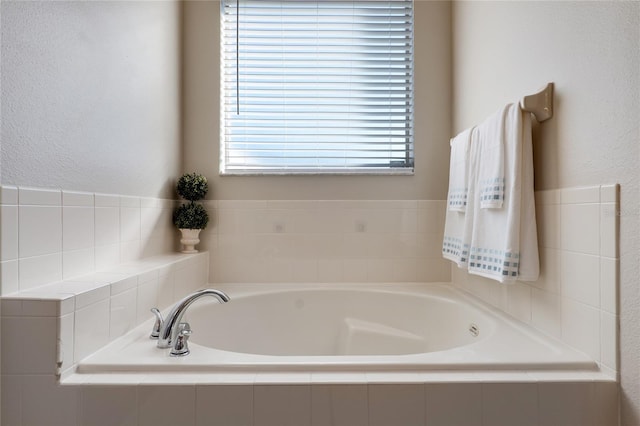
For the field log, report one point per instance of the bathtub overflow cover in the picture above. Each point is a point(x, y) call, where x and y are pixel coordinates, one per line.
point(474, 330)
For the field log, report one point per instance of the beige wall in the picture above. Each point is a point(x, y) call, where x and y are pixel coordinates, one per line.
point(591, 50)
point(91, 95)
point(432, 118)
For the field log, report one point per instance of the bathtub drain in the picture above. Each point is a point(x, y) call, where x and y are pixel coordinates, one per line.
point(474, 330)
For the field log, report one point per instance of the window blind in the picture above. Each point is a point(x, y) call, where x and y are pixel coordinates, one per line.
point(316, 86)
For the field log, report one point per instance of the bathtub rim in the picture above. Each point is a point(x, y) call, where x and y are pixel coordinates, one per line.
point(585, 369)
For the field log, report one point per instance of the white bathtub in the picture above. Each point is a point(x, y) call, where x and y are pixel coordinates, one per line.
point(343, 328)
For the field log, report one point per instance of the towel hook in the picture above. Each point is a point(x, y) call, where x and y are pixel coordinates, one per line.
point(539, 104)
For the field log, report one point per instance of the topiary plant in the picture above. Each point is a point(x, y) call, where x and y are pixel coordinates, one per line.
point(190, 216)
point(192, 187)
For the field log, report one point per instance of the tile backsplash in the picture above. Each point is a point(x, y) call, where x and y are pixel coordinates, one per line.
point(326, 241)
point(51, 235)
point(575, 299)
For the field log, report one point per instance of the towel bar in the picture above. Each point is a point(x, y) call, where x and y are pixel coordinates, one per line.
point(539, 104)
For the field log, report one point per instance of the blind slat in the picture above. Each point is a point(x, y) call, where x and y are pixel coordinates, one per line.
point(323, 85)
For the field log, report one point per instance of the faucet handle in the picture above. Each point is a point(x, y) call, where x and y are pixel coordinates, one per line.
point(157, 325)
point(181, 347)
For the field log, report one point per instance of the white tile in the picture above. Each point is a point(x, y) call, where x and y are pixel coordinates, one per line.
point(11, 400)
point(91, 329)
point(609, 340)
point(609, 193)
point(586, 194)
point(77, 228)
point(180, 400)
point(546, 313)
point(107, 200)
point(9, 232)
point(8, 195)
point(580, 277)
point(580, 228)
point(355, 270)
point(224, 405)
point(39, 197)
point(609, 284)
point(48, 402)
point(149, 202)
point(149, 226)
point(282, 405)
point(66, 341)
point(129, 224)
point(405, 270)
point(39, 270)
point(548, 224)
point(519, 301)
point(107, 225)
point(549, 279)
point(551, 196)
point(380, 270)
point(12, 337)
point(76, 263)
point(581, 327)
point(339, 405)
point(8, 277)
point(120, 285)
point(123, 313)
point(130, 251)
point(566, 404)
point(147, 276)
point(402, 404)
point(127, 201)
point(147, 298)
point(433, 270)
point(88, 293)
point(431, 215)
point(509, 404)
point(606, 403)
point(109, 405)
point(40, 230)
point(107, 256)
point(79, 199)
point(39, 350)
point(454, 404)
point(609, 230)
point(40, 308)
point(329, 270)
point(165, 289)
point(11, 307)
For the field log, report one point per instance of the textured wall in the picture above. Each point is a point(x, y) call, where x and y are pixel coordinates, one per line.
point(503, 50)
point(432, 118)
point(91, 95)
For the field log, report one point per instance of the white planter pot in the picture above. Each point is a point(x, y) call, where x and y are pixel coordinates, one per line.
point(189, 240)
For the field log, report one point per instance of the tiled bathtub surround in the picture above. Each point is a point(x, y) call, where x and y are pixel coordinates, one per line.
point(68, 320)
point(50, 235)
point(576, 297)
point(326, 241)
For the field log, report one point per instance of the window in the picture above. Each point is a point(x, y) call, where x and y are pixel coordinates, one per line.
point(316, 86)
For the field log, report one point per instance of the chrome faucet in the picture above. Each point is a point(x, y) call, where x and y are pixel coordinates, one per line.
point(171, 331)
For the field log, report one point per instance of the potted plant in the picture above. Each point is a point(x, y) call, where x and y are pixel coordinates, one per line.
point(190, 218)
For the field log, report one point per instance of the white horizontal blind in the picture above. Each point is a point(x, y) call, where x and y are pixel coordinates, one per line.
point(314, 86)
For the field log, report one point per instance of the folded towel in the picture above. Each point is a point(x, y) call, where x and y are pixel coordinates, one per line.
point(458, 223)
point(491, 142)
point(458, 172)
point(503, 244)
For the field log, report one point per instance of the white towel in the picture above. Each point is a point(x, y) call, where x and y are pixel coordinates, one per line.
point(459, 172)
point(491, 134)
point(458, 223)
point(503, 243)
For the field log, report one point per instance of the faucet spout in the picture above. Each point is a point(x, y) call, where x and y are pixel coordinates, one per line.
point(171, 325)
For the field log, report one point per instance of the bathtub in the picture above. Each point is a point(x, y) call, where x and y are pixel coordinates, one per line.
point(342, 328)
